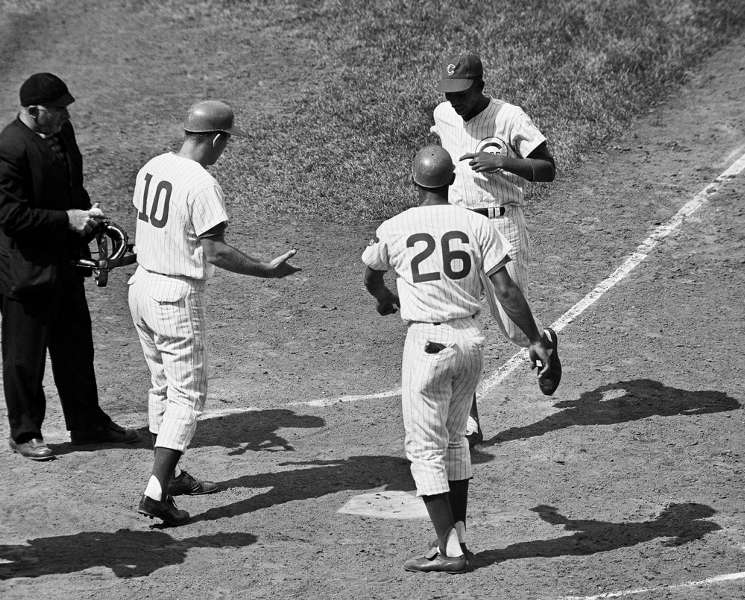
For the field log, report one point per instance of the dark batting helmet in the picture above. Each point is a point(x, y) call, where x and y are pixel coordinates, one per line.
point(211, 116)
point(433, 168)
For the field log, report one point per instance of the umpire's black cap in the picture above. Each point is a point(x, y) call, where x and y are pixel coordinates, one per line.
point(459, 73)
point(45, 89)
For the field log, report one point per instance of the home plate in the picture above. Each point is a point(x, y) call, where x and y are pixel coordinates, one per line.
point(386, 505)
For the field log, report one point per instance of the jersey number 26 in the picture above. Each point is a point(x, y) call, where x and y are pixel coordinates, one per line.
point(448, 256)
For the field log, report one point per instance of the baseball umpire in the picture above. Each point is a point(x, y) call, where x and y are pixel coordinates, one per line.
point(46, 218)
point(438, 251)
point(181, 224)
point(497, 147)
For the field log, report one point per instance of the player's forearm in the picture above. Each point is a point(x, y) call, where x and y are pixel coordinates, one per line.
point(514, 304)
point(532, 169)
point(231, 259)
point(375, 285)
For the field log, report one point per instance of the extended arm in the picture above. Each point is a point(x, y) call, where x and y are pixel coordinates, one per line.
point(221, 254)
point(518, 310)
point(375, 284)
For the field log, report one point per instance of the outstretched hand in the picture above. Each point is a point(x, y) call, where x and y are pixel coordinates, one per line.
point(280, 267)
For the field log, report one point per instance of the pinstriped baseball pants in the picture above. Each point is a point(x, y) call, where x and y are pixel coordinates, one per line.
point(436, 398)
point(513, 227)
point(168, 315)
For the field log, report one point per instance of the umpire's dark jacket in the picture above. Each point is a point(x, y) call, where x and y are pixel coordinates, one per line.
point(35, 191)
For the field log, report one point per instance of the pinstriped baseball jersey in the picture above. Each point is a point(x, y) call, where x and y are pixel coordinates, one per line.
point(437, 252)
point(501, 128)
point(177, 200)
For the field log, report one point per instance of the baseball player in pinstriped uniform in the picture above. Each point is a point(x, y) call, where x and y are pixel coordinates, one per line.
point(497, 147)
point(181, 223)
point(438, 251)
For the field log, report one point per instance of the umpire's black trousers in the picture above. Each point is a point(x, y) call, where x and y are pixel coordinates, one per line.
point(60, 322)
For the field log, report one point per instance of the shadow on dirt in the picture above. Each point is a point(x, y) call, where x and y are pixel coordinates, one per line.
point(127, 553)
point(682, 523)
point(253, 431)
point(630, 401)
point(314, 479)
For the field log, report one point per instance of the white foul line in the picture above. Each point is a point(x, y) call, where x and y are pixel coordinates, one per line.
point(641, 252)
point(689, 584)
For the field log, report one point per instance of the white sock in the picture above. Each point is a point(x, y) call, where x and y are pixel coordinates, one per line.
point(176, 471)
point(453, 548)
point(153, 489)
point(460, 528)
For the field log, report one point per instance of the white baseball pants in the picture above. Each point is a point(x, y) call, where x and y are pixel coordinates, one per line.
point(168, 314)
point(437, 390)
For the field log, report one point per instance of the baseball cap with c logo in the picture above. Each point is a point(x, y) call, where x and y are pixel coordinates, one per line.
point(459, 73)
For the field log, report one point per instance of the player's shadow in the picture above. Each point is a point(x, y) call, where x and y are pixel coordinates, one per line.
point(127, 553)
point(313, 479)
point(254, 430)
point(679, 523)
point(621, 402)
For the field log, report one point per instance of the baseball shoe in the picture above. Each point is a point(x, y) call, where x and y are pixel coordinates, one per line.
point(110, 433)
point(434, 561)
point(165, 510)
point(435, 548)
point(549, 381)
point(191, 486)
point(474, 435)
point(35, 449)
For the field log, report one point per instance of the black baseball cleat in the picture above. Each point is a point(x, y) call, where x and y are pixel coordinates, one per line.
point(474, 436)
point(165, 510)
point(435, 561)
point(185, 484)
point(549, 381)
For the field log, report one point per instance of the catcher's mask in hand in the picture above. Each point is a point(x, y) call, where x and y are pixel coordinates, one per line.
point(110, 248)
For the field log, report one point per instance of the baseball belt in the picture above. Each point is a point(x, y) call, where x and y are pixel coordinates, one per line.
point(493, 212)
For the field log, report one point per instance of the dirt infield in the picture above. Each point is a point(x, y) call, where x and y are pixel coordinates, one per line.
point(629, 481)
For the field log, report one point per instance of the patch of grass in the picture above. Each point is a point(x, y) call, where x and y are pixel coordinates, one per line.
point(342, 149)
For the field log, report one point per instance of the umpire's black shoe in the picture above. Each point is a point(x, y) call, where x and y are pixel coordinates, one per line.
point(549, 381)
point(104, 434)
point(186, 484)
point(434, 561)
point(35, 449)
point(163, 509)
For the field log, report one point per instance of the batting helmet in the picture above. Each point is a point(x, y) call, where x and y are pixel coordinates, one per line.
point(433, 167)
point(211, 116)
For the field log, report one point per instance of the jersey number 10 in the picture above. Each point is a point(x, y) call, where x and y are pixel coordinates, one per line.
point(162, 193)
point(448, 256)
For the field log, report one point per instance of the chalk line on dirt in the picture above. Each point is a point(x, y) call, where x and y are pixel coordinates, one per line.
point(729, 577)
